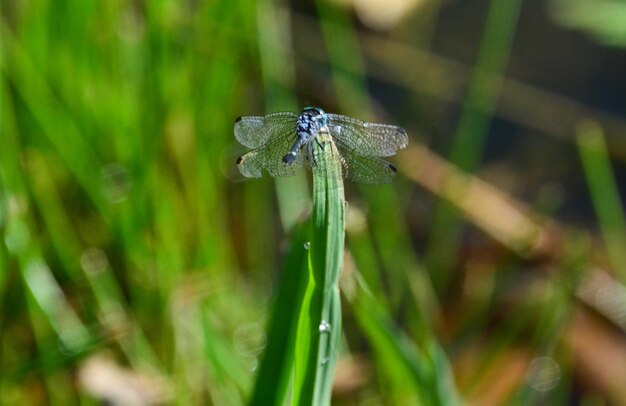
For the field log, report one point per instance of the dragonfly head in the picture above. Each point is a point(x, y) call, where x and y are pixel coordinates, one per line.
point(311, 120)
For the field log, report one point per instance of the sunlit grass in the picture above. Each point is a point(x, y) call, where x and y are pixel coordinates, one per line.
point(130, 245)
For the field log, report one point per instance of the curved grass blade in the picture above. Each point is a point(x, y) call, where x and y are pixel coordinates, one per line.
point(320, 327)
point(306, 322)
point(416, 375)
point(277, 363)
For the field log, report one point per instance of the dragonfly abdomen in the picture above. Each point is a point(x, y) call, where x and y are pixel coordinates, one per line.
point(303, 139)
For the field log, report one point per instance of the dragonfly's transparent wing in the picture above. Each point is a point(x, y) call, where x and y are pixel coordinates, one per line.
point(365, 168)
point(269, 157)
point(367, 138)
point(252, 164)
point(256, 131)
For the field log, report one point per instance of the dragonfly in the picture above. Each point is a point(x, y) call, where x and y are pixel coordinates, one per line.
point(285, 143)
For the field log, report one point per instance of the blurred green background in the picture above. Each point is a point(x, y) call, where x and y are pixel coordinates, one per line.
point(138, 267)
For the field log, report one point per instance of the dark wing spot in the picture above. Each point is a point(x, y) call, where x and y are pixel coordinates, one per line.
point(239, 160)
point(393, 168)
point(238, 119)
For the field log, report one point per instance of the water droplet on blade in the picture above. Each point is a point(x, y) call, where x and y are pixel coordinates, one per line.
point(307, 245)
point(324, 327)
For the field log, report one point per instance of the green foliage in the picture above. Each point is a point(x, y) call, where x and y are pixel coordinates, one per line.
point(276, 370)
point(129, 241)
point(604, 192)
point(605, 20)
point(471, 132)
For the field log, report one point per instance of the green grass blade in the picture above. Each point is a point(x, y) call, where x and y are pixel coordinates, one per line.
point(277, 363)
point(56, 123)
point(315, 326)
point(604, 192)
point(414, 375)
point(320, 327)
point(472, 130)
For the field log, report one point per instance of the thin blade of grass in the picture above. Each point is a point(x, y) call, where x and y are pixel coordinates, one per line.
point(277, 362)
point(604, 192)
point(472, 130)
point(416, 376)
point(320, 327)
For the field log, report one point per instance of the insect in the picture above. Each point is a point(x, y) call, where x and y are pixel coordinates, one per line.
point(284, 143)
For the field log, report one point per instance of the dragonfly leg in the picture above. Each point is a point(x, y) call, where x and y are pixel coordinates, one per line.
point(313, 156)
point(321, 145)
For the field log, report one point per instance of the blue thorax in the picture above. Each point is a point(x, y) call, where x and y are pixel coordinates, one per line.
point(311, 121)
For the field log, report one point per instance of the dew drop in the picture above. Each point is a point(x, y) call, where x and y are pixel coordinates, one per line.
point(307, 245)
point(324, 327)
